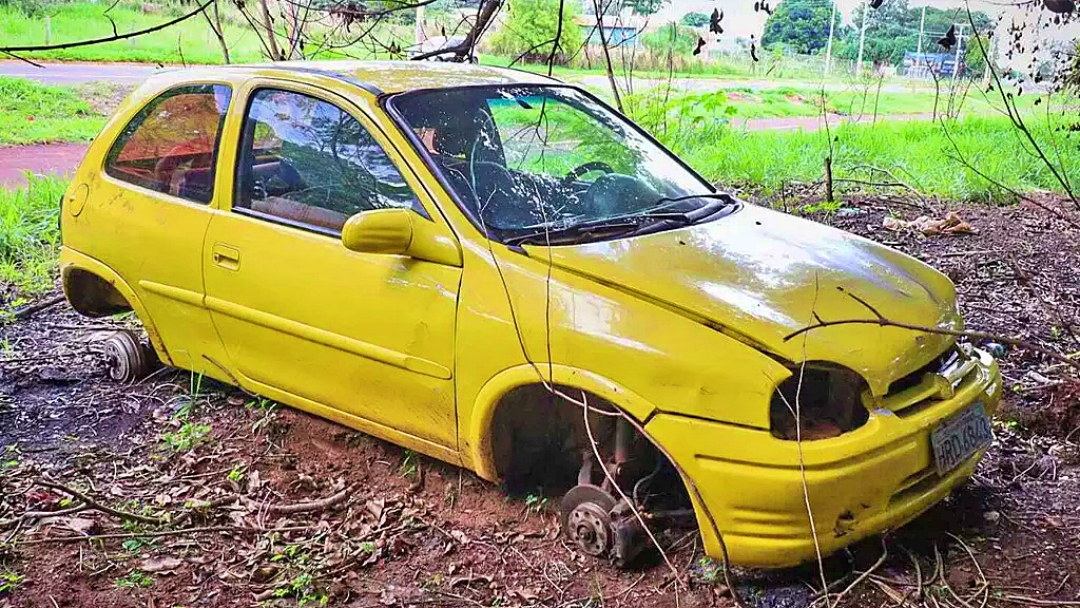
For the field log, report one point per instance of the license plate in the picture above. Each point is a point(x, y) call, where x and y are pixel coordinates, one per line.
point(959, 437)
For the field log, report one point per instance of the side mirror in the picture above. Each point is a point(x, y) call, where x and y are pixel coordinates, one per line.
point(388, 231)
point(400, 232)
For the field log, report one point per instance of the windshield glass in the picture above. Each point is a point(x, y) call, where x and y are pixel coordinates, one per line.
point(546, 158)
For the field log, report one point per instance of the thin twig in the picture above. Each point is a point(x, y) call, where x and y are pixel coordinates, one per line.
point(75, 539)
point(93, 504)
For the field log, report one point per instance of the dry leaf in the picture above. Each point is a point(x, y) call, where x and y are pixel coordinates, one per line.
point(81, 525)
point(161, 564)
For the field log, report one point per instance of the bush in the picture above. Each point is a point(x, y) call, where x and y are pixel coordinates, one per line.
point(531, 26)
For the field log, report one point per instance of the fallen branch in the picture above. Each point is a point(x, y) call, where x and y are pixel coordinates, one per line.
point(32, 515)
point(862, 577)
point(883, 321)
point(28, 311)
point(74, 539)
point(314, 505)
point(93, 504)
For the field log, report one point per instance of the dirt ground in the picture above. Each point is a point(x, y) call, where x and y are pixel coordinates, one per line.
point(266, 505)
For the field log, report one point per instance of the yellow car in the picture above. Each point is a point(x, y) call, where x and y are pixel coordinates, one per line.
point(459, 259)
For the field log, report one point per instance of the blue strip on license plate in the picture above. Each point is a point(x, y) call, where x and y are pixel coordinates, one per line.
point(955, 440)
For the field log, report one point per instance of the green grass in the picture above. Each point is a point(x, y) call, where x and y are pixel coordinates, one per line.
point(37, 113)
point(917, 152)
point(29, 237)
point(191, 41)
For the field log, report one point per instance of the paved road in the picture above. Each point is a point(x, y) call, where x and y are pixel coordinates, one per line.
point(78, 73)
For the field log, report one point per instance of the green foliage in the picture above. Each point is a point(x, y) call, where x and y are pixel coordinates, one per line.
point(893, 29)
point(645, 7)
point(72, 21)
point(800, 25)
point(679, 40)
point(916, 151)
point(531, 27)
point(134, 580)
point(186, 437)
point(9, 581)
point(29, 236)
point(681, 119)
point(975, 55)
point(36, 113)
point(695, 19)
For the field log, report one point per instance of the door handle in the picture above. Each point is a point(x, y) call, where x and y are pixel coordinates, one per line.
point(225, 256)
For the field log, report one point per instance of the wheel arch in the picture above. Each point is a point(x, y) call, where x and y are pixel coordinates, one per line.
point(95, 290)
point(497, 393)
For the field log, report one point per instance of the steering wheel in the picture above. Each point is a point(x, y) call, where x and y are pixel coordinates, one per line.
point(596, 165)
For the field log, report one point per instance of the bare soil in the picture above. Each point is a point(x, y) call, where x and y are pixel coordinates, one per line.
point(300, 509)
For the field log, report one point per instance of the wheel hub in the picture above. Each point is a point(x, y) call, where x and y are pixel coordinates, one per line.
point(586, 521)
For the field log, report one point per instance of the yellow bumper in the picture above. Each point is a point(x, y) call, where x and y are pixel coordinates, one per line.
point(862, 483)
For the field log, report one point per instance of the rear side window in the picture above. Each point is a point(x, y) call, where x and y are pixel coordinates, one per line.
point(171, 145)
point(310, 163)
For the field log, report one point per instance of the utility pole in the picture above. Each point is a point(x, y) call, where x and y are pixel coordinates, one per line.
point(828, 45)
point(959, 43)
point(918, 51)
point(862, 38)
point(419, 25)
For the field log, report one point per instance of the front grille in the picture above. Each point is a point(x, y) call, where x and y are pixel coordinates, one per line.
point(929, 384)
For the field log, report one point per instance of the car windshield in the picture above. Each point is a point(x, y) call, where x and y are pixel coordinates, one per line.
point(552, 160)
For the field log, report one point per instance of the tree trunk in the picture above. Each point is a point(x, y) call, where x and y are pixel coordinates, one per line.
point(219, 32)
point(271, 40)
point(607, 55)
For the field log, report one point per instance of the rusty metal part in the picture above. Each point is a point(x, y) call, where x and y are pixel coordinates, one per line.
point(624, 433)
point(585, 519)
point(127, 358)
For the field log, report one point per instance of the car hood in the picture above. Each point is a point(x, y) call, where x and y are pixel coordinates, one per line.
point(760, 275)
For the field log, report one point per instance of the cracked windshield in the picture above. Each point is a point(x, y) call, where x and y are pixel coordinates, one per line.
point(523, 159)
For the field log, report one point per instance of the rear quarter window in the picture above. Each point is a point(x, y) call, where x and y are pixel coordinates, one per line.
point(170, 146)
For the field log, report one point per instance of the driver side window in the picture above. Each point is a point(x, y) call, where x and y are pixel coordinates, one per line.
point(310, 163)
point(548, 137)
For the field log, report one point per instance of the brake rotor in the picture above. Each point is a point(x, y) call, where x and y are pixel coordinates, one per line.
point(127, 358)
point(585, 519)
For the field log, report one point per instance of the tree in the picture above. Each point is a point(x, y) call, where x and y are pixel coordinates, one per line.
point(694, 19)
point(893, 29)
point(645, 7)
point(800, 25)
point(974, 55)
point(681, 40)
point(530, 29)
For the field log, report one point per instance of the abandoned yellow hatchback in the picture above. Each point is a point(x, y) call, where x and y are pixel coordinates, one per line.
point(492, 267)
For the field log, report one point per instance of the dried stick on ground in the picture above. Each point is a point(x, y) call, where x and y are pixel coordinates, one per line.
point(93, 504)
point(884, 321)
point(314, 505)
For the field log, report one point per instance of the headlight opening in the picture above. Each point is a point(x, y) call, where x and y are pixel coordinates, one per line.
point(828, 403)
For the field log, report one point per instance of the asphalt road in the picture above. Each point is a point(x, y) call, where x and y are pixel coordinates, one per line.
point(78, 73)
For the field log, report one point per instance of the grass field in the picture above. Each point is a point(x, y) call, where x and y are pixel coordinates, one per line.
point(918, 153)
point(29, 236)
point(36, 113)
point(191, 41)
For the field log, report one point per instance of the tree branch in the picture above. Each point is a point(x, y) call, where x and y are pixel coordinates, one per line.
point(883, 321)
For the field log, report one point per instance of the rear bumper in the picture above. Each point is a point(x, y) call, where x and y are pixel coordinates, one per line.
point(862, 483)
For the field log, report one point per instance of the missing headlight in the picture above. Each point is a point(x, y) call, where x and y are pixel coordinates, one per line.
point(828, 403)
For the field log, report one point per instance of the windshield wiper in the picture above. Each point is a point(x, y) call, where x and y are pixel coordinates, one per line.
point(543, 235)
point(721, 200)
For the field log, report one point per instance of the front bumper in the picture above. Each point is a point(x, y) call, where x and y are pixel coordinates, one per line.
point(875, 478)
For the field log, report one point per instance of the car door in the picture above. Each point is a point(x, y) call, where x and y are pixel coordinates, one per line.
point(151, 210)
point(366, 334)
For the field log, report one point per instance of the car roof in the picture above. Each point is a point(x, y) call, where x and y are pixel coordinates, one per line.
point(399, 76)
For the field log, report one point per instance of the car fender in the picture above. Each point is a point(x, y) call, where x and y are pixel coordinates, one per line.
point(477, 445)
point(71, 259)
